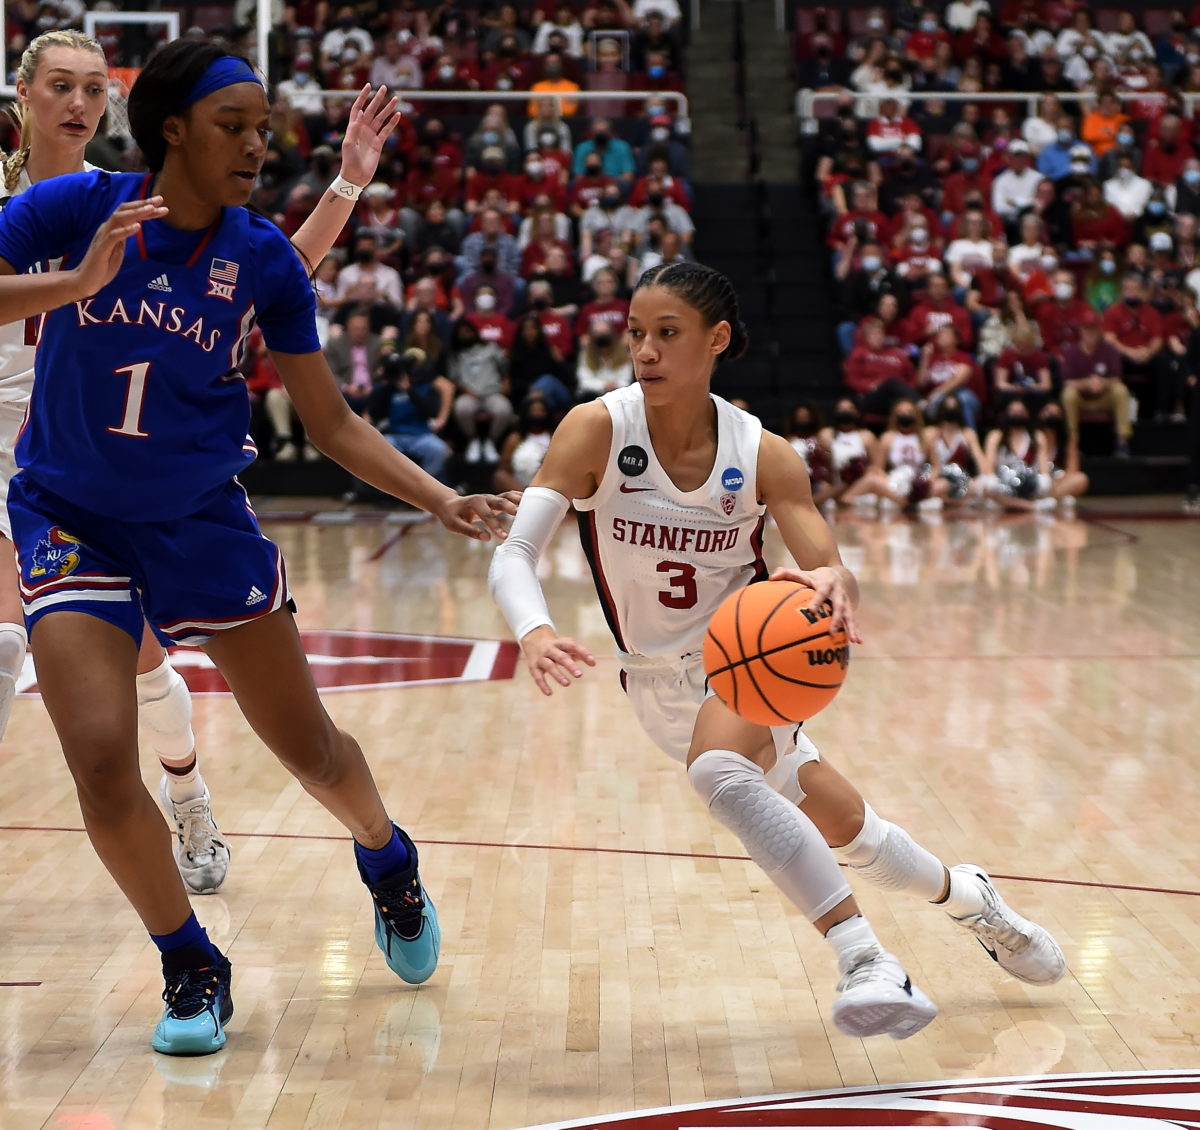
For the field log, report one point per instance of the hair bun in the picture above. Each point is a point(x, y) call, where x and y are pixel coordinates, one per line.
point(739, 340)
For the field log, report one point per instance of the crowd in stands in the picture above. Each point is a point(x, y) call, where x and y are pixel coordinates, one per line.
point(1029, 257)
point(482, 285)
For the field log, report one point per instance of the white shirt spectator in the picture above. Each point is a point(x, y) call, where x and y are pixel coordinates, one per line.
point(1117, 42)
point(572, 33)
point(1012, 191)
point(676, 219)
point(403, 74)
point(1022, 257)
point(303, 93)
point(562, 230)
point(386, 281)
point(1128, 194)
point(671, 12)
point(886, 135)
point(604, 376)
point(335, 41)
point(1038, 133)
point(1192, 281)
point(1077, 71)
point(961, 15)
point(970, 254)
point(1036, 44)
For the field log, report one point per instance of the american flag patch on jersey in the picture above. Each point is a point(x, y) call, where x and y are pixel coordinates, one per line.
point(223, 270)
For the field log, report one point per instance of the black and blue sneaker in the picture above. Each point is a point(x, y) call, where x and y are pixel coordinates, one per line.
point(406, 922)
point(199, 1005)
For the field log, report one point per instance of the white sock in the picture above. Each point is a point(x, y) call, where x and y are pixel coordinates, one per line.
point(780, 838)
point(165, 712)
point(886, 855)
point(965, 898)
point(850, 938)
point(13, 644)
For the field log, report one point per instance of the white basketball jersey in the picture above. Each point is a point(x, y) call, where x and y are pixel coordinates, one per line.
point(663, 559)
point(16, 338)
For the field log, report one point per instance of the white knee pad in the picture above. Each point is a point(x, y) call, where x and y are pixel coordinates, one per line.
point(886, 855)
point(780, 838)
point(165, 710)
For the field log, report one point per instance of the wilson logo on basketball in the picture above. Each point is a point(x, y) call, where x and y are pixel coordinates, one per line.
point(825, 657)
point(360, 661)
point(1133, 1101)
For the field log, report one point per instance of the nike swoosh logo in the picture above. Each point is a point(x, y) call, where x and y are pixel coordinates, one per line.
point(625, 489)
point(988, 950)
point(907, 986)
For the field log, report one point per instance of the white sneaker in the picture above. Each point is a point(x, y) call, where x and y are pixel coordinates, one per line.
point(200, 853)
point(490, 454)
point(876, 998)
point(286, 453)
point(474, 451)
point(1018, 946)
point(933, 504)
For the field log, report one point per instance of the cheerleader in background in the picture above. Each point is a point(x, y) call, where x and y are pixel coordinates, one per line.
point(804, 431)
point(851, 448)
point(1016, 471)
point(904, 470)
point(956, 450)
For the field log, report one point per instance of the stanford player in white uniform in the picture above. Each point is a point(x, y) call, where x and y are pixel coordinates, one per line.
point(671, 485)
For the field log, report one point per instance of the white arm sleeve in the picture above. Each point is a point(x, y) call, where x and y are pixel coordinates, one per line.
point(512, 577)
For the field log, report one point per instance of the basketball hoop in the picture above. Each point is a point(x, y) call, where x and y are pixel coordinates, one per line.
point(120, 81)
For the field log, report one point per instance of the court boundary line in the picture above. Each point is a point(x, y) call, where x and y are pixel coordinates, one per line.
point(645, 853)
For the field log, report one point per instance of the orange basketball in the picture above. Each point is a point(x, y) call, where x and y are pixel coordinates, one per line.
point(770, 657)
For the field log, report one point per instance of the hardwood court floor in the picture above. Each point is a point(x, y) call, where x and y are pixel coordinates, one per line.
point(1026, 699)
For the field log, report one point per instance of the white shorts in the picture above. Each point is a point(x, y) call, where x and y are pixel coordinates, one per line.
point(666, 696)
point(12, 419)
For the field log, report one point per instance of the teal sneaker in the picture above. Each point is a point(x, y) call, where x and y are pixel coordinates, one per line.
point(199, 1005)
point(406, 922)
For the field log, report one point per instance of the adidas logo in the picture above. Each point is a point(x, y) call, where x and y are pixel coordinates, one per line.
point(257, 596)
point(160, 283)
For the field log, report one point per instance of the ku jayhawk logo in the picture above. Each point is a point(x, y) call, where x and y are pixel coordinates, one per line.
point(57, 553)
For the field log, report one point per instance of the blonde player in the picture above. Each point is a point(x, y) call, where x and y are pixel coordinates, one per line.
point(671, 486)
point(62, 92)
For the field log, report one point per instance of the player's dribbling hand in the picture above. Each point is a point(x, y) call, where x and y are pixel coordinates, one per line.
point(554, 657)
point(827, 585)
point(461, 514)
point(107, 251)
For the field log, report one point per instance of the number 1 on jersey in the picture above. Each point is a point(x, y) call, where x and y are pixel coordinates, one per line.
point(135, 396)
point(682, 579)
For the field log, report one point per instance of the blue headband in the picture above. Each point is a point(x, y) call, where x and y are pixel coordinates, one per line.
point(228, 70)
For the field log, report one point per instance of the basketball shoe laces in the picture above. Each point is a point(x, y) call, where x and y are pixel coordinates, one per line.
point(1001, 933)
point(400, 904)
point(196, 830)
point(868, 967)
point(191, 992)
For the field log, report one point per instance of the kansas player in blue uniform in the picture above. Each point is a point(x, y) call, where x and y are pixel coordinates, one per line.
point(127, 502)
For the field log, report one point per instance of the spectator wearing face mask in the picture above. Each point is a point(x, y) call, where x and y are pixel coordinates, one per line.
point(546, 130)
point(1059, 317)
point(608, 214)
point(1126, 191)
point(491, 236)
point(1066, 155)
point(944, 368)
point(1102, 286)
point(493, 132)
point(564, 23)
point(557, 328)
point(483, 314)
point(922, 42)
point(479, 372)
point(1167, 154)
point(301, 89)
point(1013, 189)
point(505, 286)
point(1155, 220)
point(490, 174)
point(1135, 330)
point(366, 280)
point(616, 156)
point(865, 280)
point(969, 177)
point(604, 363)
point(543, 182)
point(1183, 197)
point(554, 81)
point(345, 32)
point(658, 177)
point(909, 175)
point(588, 187)
point(659, 206)
point(661, 141)
point(937, 310)
point(525, 447)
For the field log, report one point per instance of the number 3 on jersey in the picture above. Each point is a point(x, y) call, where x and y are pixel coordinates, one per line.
point(135, 397)
point(682, 579)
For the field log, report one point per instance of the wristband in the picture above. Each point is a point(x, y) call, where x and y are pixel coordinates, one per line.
point(344, 188)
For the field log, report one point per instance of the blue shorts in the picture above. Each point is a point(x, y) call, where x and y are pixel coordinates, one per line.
point(189, 577)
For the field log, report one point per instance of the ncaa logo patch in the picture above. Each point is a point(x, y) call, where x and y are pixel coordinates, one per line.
point(1139, 1100)
point(732, 478)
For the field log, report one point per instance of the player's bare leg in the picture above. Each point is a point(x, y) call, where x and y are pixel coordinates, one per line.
point(165, 713)
point(886, 855)
point(85, 669)
point(727, 767)
point(13, 640)
point(265, 666)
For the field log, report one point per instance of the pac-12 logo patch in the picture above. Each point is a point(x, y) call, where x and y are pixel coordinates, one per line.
point(732, 478)
point(222, 279)
point(57, 553)
point(633, 460)
point(728, 502)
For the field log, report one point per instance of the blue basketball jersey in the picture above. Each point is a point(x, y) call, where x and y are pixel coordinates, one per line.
point(137, 412)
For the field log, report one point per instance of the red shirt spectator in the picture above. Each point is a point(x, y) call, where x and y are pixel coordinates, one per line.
point(937, 310)
point(557, 330)
point(493, 327)
point(868, 367)
point(536, 251)
point(1133, 327)
point(944, 364)
point(903, 220)
point(1059, 320)
point(958, 186)
point(533, 186)
point(479, 182)
point(843, 227)
point(427, 183)
point(888, 132)
point(1097, 221)
point(1022, 366)
point(556, 161)
point(923, 43)
point(506, 74)
point(614, 311)
point(585, 190)
point(670, 187)
point(1164, 160)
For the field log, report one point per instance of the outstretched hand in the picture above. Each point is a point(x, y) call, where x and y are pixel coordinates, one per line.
point(463, 514)
point(372, 122)
point(827, 585)
point(549, 656)
point(107, 250)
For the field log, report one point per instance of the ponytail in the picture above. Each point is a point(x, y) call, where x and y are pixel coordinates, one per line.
point(709, 293)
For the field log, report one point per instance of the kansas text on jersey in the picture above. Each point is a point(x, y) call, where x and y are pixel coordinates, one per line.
point(137, 411)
